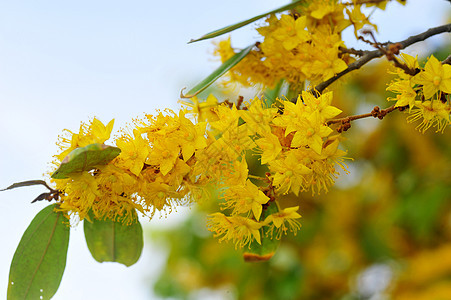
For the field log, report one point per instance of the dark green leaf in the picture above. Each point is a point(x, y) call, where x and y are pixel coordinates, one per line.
point(114, 241)
point(26, 183)
point(40, 259)
point(85, 159)
point(269, 244)
point(246, 22)
point(227, 65)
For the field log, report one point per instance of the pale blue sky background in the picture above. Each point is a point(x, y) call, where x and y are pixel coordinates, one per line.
point(62, 62)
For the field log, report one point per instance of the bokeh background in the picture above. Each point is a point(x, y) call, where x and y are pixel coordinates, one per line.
point(390, 219)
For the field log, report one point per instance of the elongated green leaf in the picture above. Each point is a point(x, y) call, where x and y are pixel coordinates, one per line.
point(85, 159)
point(246, 22)
point(40, 259)
point(269, 244)
point(26, 183)
point(113, 241)
point(227, 65)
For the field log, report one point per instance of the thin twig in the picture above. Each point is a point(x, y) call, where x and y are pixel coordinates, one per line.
point(345, 123)
point(353, 51)
point(378, 53)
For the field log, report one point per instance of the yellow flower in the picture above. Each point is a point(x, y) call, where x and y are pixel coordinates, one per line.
point(320, 9)
point(283, 220)
point(358, 19)
point(289, 173)
point(293, 118)
point(164, 154)
point(91, 133)
point(291, 32)
point(411, 62)
point(237, 140)
point(323, 166)
point(406, 93)
point(435, 77)
point(258, 116)
point(156, 195)
point(79, 194)
point(295, 48)
point(227, 118)
point(240, 230)
point(327, 65)
point(107, 194)
point(434, 113)
point(134, 152)
point(244, 198)
point(270, 147)
point(100, 132)
point(237, 174)
point(312, 133)
point(205, 110)
point(383, 4)
point(321, 104)
point(193, 136)
point(326, 15)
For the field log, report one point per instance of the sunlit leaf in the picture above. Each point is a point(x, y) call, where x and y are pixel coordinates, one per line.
point(269, 243)
point(85, 159)
point(40, 259)
point(114, 241)
point(226, 66)
point(246, 22)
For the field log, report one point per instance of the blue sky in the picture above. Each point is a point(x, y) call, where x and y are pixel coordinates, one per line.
point(62, 62)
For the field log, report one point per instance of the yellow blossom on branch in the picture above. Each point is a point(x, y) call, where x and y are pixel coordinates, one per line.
point(407, 94)
point(283, 221)
point(435, 77)
point(434, 114)
point(322, 104)
point(289, 174)
point(245, 198)
point(242, 231)
point(270, 147)
point(94, 132)
point(134, 151)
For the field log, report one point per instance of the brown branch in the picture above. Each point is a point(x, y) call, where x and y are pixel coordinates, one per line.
point(353, 51)
point(378, 53)
point(447, 60)
point(345, 123)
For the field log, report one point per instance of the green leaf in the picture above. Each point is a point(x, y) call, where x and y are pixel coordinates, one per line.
point(246, 22)
point(26, 183)
point(269, 244)
point(226, 66)
point(272, 94)
point(40, 259)
point(85, 159)
point(114, 241)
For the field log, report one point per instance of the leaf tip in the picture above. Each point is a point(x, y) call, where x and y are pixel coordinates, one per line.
point(253, 257)
point(181, 92)
point(187, 96)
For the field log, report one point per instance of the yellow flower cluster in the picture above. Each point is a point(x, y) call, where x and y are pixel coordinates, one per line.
point(151, 173)
point(426, 94)
point(303, 45)
point(171, 159)
point(296, 147)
